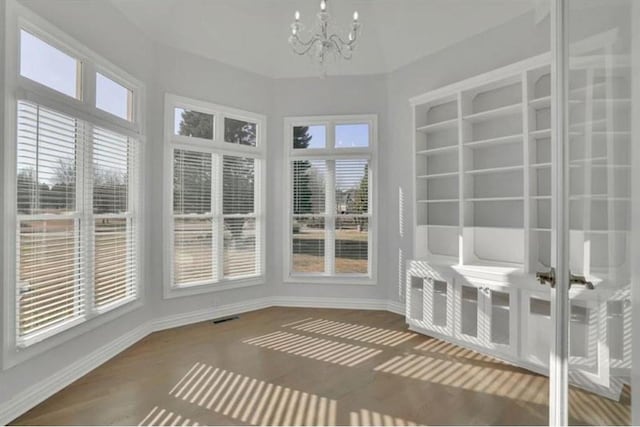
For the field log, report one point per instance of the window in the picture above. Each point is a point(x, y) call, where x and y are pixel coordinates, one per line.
point(330, 226)
point(114, 98)
point(49, 66)
point(216, 216)
point(75, 192)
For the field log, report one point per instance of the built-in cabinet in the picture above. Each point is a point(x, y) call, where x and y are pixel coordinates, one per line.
point(483, 217)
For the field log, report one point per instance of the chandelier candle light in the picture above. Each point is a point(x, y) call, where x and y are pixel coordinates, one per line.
point(321, 42)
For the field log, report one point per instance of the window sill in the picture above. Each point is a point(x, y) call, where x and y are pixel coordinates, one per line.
point(204, 288)
point(345, 280)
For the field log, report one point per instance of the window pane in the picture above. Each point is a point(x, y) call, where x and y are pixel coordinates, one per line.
point(352, 245)
point(114, 261)
point(309, 137)
point(47, 65)
point(309, 186)
point(352, 186)
point(46, 166)
point(308, 245)
point(238, 185)
point(110, 172)
point(240, 251)
point(193, 252)
point(191, 182)
point(239, 132)
point(113, 97)
point(352, 136)
point(49, 274)
point(193, 123)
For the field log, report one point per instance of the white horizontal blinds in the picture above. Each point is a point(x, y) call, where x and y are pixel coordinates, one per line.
point(114, 170)
point(46, 160)
point(241, 225)
point(309, 182)
point(352, 216)
point(49, 267)
point(194, 251)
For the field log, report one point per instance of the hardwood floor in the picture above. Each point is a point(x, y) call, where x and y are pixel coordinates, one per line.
point(284, 366)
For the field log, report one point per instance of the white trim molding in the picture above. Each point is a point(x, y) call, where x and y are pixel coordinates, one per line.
point(329, 155)
point(217, 148)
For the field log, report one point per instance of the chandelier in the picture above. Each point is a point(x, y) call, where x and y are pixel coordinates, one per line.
point(322, 42)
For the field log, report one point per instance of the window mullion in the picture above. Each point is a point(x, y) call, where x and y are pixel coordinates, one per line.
point(330, 221)
point(218, 218)
point(84, 185)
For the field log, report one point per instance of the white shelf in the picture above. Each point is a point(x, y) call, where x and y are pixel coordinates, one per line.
point(438, 150)
point(541, 133)
point(617, 102)
point(442, 226)
point(540, 197)
point(540, 229)
point(599, 198)
point(494, 141)
point(438, 201)
point(540, 165)
point(495, 170)
point(506, 111)
point(540, 103)
point(437, 175)
point(443, 125)
point(494, 199)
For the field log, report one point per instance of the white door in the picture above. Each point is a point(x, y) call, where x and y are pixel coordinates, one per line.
point(594, 238)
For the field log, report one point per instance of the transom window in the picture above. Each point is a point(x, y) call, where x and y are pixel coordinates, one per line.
point(331, 165)
point(215, 219)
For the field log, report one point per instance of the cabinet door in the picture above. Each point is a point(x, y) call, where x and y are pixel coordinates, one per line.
point(438, 314)
point(585, 332)
point(618, 313)
point(415, 300)
point(469, 309)
point(500, 319)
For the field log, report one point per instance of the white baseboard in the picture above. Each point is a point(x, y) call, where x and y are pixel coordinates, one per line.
point(343, 303)
point(41, 391)
point(37, 393)
point(183, 319)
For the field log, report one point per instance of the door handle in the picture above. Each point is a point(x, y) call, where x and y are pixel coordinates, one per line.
point(547, 277)
point(580, 280)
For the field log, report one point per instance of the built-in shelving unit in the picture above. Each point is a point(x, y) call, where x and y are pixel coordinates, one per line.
point(484, 160)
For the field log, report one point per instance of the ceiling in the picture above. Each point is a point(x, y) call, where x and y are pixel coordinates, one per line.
point(252, 34)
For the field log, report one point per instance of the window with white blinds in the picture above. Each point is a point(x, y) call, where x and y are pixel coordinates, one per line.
point(330, 186)
point(216, 216)
point(76, 238)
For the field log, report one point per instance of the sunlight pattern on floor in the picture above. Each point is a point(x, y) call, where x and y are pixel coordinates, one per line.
point(162, 417)
point(252, 401)
point(366, 417)
point(352, 331)
point(498, 380)
point(451, 350)
point(595, 410)
point(315, 348)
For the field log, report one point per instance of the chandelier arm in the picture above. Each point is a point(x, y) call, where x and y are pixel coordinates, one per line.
point(306, 47)
point(339, 45)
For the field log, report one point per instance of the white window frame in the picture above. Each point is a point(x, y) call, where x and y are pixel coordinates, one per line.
point(218, 148)
point(330, 152)
point(17, 88)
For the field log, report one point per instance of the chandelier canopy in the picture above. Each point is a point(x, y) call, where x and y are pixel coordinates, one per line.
point(322, 41)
